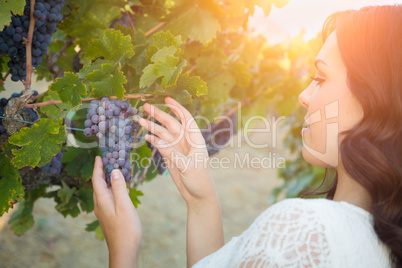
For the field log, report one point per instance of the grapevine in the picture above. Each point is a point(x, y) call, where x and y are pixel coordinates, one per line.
point(104, 61)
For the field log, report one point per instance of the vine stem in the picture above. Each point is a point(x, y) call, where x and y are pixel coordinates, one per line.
point(29, 48)
point(4, 79)
point(155, 28)
point(131, 22)
point(53, 102)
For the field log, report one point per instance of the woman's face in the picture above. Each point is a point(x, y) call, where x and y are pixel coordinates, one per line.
point(331, 107)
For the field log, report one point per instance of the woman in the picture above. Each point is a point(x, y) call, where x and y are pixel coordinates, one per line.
point(354, 113)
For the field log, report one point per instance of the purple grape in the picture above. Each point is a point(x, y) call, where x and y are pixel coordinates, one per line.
point(101, 110)
point(115, 154)
point(94, 129)
point(105, 161)
point(102, 126)
point(95, 119)
point(112, 161)
point(94, 104)
point(109, 155)
point(88, 123)
point(121, 161)
point(88, 132)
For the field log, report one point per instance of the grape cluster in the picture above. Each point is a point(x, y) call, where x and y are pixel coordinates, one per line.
point(215, 141)
point(47, 16)
point(54, 166)
point(111, 122)
point(32, 115)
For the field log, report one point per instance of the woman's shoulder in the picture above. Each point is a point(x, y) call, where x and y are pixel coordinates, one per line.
point(318, 207)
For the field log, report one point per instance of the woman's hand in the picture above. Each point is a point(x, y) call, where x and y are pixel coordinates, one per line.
point(117, 216)
point(183, 148)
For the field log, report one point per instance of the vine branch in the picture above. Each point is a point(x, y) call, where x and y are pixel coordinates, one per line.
point(53, 102)
point(155, 28)
point(28, 46)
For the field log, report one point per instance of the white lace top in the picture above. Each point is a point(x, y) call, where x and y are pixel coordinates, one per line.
point(300, 232)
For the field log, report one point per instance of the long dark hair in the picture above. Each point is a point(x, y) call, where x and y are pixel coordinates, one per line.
point(370, 43)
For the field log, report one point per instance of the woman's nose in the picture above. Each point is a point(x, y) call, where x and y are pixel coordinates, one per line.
point(304, 98)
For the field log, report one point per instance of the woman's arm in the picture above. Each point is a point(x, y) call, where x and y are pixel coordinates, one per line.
point(183, 148)
point(204, 230)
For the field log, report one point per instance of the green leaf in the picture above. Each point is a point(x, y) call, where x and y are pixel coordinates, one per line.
point(219, 87)
point(11, 189)
point(148, 76)
point(184, 97)
point(108, 81)
point(161, 54)
point(22, 219)
point(95, 227)
point(85, 195)
point(113, 46)
point(142, 154)
point(168, 70)
point(134, 194)
point(69, 88)
point(55, 111)
point(66, 201)
point(193, 85)
point(166, 39)
point(8, 6)
point(240, 72)
point(39, 143)
point(79, 162)
point(196, 24)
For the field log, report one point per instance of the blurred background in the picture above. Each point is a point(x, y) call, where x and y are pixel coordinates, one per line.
point(55, 241)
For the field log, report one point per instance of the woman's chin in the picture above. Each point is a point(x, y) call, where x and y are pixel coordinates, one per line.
point(314, 160)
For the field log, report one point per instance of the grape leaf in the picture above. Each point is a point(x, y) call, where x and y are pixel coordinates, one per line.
point(193, 85)
point(39, 143)
point(166, 39)
point(8, 6)
point(168, 69)
point(134, 194)
point(142, 154)
point(69, 88)
point(113, 46)
point(240, 72)
point(184, 97)
point(54, 111)
point(66, 201)
point(219, 87)
point(22, 219)
point(85, 195)
point(11, 189)
point(148, 76)
point(108, 81)
point(161, 54)
point(95, 227)
point(204, 30)
point(79, 162)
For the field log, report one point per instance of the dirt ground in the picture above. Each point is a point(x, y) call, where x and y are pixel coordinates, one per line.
point(55, 241)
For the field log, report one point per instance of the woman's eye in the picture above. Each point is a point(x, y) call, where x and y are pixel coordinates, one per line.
point(319, 80)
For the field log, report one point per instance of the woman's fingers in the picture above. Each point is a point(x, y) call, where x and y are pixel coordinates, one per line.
point(169, 151)
point(193, 133)
point(166, 119)
point(101, 192)
point(119, 188)
point(156, 129)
